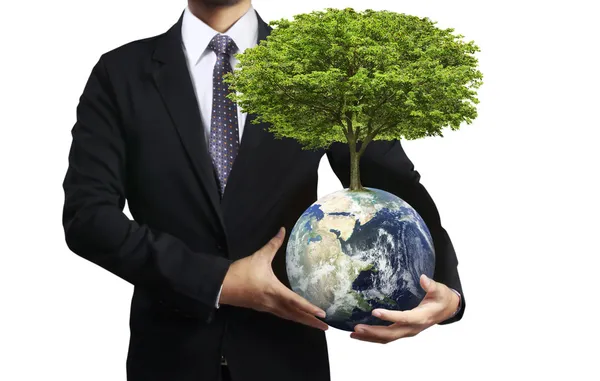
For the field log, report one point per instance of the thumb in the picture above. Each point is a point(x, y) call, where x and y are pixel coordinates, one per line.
point(429, 285)
point(270, 249)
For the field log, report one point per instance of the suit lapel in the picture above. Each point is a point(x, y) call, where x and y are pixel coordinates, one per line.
point(172, 78)
point(174, 83)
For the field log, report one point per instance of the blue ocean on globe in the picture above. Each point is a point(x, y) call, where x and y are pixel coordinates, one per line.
point(353, 251)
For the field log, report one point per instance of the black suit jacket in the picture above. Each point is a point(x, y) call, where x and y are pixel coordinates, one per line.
point(138, 136)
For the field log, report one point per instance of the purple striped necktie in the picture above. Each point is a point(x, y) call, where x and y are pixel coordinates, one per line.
point(224, 129)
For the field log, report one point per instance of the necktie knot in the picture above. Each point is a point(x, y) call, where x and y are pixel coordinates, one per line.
point(222, 43)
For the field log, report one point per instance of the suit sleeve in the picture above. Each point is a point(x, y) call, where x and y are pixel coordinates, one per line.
point(385, 166)
point(97, 229)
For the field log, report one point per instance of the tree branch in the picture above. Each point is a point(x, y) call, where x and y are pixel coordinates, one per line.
point(348, 116)
point(369, 126)
point(365, 143)
point(383, 128)
point(384, 101)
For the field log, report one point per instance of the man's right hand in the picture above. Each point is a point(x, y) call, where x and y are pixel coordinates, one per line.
point(251, 283)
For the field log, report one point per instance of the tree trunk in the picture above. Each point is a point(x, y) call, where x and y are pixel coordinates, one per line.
point(355, 184)
point(355, 155)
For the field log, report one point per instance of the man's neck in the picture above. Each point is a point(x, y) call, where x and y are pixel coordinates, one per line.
point(220, 18)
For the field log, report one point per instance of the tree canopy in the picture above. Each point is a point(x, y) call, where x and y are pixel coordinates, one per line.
point(340, 75)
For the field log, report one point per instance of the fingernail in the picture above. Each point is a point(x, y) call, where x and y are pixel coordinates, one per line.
point(377, 313)
point(321, 314)
point(359, 330)
point(280, 233)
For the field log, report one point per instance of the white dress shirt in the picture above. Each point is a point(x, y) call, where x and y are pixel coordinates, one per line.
point(196, 35)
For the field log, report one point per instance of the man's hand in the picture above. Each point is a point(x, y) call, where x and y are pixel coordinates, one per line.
point(438, 305)
point(251, 283)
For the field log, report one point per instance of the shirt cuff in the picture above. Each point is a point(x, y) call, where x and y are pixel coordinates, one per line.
point(459, 303)
point(218, 297)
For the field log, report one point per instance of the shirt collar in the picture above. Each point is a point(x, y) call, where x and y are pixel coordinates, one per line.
point(196, 34)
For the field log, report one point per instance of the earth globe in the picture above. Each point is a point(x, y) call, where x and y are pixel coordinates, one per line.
point(353, 251)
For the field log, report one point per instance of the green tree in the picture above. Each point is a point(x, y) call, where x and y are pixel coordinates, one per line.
point(344, 76)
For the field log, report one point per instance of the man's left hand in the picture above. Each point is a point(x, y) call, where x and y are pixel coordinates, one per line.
point(439, 304)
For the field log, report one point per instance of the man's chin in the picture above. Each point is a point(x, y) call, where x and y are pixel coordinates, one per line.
point(218, 3)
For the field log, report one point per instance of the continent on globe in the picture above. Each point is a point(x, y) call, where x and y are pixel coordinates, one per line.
point(353, 251)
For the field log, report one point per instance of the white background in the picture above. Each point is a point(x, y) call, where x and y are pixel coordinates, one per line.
point(517, 191)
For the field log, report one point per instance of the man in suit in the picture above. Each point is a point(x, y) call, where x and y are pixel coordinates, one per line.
point(211, 298)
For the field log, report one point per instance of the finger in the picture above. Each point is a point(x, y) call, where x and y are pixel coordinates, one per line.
point(297, 302)
point(420, 315)
point(271, 247)
point(383, 334)
point(369, 339)
point(302, 318)
point(428, 284)
point(308, 319)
